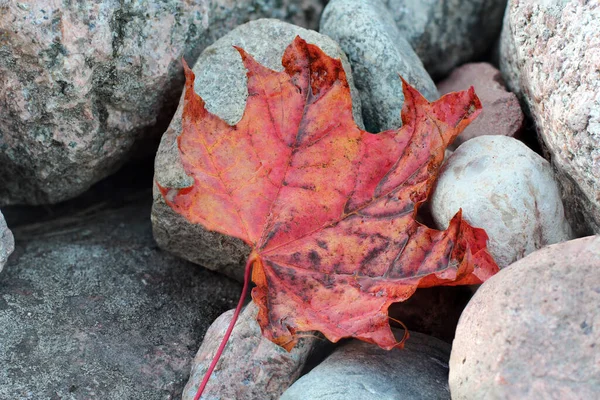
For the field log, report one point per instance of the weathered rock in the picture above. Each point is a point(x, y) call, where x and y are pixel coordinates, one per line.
point(378, 53)
point(363, 371)
point(532, 330)
point(86, 85)
point(505, 188)
point(7, 242)
point(251, 367)
point(550, 57)
point(221, 82)
point(91, 308)
point(448, 33)
point(501, 113)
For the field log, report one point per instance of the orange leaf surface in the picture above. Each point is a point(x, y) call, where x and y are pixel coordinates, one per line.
point(328, 209)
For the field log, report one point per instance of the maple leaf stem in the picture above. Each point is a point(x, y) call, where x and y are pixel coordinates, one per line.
point(236, 314)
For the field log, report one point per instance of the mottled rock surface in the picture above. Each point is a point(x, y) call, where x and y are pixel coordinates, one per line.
point(550, 57)
point(448, 33)
point(90, 308)
point(379, 53)
point(251, 367)
point(532, 330)
point(505, 188)
point(221, 82)
point(86, 85)
point(7, 242)
point(501, 113)
point(363, 371)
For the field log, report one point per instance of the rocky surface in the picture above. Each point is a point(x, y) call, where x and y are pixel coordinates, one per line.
point(221, 82)
point(448, 33)
point(86, 85)
point(251, 367)
point(501, 113)
point(363, 371)
point(550, 56)
point(91, 308)
point(532, 330)
point(7, 242)
point(505, 188)
point(379, 53)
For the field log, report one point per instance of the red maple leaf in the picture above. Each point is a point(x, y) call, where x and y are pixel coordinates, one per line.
point(328, 209)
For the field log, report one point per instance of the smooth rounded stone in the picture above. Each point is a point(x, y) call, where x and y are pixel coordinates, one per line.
point(251, 366)
point(550, 57)
point(448, 33)
point(221, 82)
point(501, 113)
point(90, 308)
point(86, 85)
point(379, 54)
point(505, 188)
point(362, 371)
point(532, 330)
point(7, 242)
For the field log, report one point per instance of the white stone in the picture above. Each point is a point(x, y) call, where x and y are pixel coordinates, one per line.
point(505, 188)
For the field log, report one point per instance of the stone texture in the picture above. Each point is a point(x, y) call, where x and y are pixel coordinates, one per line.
point(448, 33)
point(532, 330)
point(251, 367)
point(86, 85)
point(221, 82)
point(550, 57)
point(501, 114)
point(7, 242)
point(90, 308)
point(378, 53)
point(363, 371)
point(505, 188)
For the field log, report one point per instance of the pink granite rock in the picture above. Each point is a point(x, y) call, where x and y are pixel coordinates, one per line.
point(501, 113)
point(251, 367)
point(86, 85)
point(532, 331)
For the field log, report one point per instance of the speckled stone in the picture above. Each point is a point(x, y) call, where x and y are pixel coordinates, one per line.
point(448, 33)
point(532, 331)
point(86, 85)
point(505, 188)
point(7, 242)
point(362, 371)
point(221, 82)
point(550, 57)
point(251, 367)
point(378, 53)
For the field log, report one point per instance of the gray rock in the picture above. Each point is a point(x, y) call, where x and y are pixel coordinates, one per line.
point(86, 85)
point(7, 242)
point(532, 330)
point(505, 188)
point(379, 53)
point(363, 371)
point(251, 367)
point(450, 32)
point(550, 57)
point(91, 308)
point(221, 82)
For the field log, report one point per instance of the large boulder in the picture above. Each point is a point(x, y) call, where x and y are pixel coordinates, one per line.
point(448, 33)
point(550, 56)
point(90, 308)
point(221, 82)
point(86, 85)
point(7, 242)
point(362, 371)
point(505, 188)
point(532, 330)
point(251, 366)
point(379, 55)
